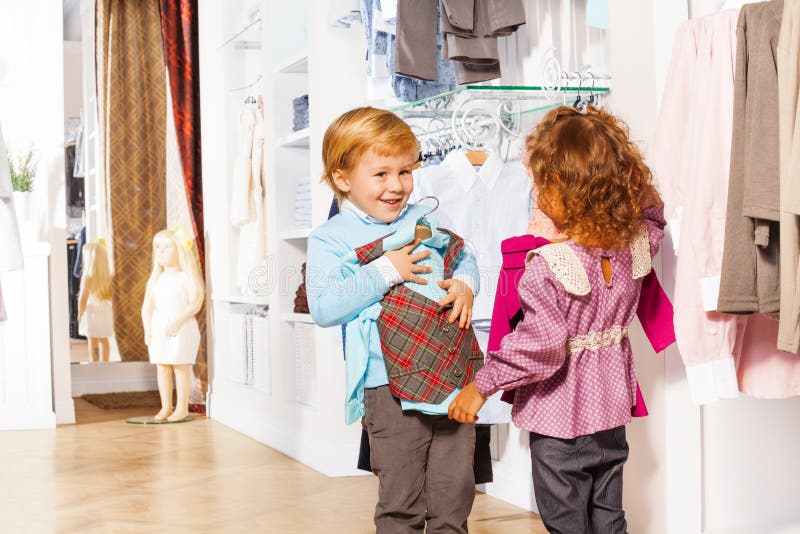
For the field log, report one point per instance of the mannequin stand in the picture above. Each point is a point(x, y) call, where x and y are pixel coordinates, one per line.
point(150, 420)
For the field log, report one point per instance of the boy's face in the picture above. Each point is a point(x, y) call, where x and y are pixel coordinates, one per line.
point(378, 185)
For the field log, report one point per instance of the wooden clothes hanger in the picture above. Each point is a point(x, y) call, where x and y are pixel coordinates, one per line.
point(477, 157)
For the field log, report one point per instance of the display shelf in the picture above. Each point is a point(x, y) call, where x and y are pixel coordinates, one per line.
point(298, 139)
point(295, 65)
point(530, 99)
point(297, 318)
point(295, 233)
point(247, 38)
point(242, 299)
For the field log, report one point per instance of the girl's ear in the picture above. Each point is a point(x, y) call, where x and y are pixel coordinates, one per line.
point(340, 180)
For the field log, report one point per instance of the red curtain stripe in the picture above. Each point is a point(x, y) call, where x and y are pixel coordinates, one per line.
point(179, 29)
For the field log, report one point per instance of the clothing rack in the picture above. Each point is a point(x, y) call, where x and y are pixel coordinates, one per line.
point(248, 86)
point(480, 116)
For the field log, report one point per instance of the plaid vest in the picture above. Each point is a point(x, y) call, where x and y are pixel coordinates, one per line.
point(426, 357)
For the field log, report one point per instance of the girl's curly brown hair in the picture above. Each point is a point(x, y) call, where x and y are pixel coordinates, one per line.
point(591, 178)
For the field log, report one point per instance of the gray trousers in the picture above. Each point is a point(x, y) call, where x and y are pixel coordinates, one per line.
point(424, 467)
point(578, 482)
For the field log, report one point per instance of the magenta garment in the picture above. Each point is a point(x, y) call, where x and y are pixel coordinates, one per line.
point(558, 394)
point(655, 309)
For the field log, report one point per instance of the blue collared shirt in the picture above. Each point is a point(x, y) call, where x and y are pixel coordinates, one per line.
point(339, 292)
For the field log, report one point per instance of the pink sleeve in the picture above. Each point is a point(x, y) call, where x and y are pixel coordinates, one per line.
point(537, 348)
point(501, 319)
point(655, 313)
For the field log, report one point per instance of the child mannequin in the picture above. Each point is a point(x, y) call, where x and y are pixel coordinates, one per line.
point(173, 297)
point(94, 300)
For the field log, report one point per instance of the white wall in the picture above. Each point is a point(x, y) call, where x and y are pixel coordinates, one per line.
point(32, 111)
point(73, 79)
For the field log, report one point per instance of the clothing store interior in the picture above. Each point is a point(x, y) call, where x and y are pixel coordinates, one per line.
point(177, 175)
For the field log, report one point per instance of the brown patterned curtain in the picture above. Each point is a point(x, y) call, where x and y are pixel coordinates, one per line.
point(131, 90)
point(179, 30)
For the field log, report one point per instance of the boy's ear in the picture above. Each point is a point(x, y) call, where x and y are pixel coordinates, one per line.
point(340, 181)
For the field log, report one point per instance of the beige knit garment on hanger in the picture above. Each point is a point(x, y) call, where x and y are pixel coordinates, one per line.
point(788, 57)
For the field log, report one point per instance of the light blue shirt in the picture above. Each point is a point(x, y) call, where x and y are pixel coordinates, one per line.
point(341, 291)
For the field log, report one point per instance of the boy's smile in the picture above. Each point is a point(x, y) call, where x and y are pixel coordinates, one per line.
point(378, 184)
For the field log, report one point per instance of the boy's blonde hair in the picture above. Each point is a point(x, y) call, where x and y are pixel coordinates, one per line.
point(96, 273)
point(359, 130)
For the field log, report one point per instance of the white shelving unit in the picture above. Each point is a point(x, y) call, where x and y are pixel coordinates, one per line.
point(295, 65)
point(297, 317)
point(298, 233)
point(300, 408)
point(298, 139)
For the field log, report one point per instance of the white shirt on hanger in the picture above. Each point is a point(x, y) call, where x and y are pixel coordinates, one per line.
point(483, 206)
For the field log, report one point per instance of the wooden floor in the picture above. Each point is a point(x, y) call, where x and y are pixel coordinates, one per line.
point(103, 475)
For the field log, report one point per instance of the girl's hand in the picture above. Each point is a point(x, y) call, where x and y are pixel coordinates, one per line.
point(466, 405)
point(406, 263)
point(173, 329)
point(460, 296)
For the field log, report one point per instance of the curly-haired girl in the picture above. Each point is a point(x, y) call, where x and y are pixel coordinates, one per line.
point(569, 359)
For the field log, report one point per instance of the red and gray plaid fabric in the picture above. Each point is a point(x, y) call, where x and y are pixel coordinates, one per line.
point(426, 357)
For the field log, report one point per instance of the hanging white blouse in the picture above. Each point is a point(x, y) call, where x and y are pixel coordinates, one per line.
point(247, 196)
point(483, 206)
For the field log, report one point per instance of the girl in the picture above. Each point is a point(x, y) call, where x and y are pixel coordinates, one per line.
point(173, 297)
point(94, 300)
point(570, 359)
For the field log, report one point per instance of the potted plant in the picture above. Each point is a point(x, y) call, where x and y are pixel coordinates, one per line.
point(23, 170)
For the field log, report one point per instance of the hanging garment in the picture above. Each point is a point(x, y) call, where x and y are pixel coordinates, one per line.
point(788, 58)
point(383, 81)
point(416, 40)
point(343, 292)
point(763, 371)
point(569, 359)
point(690, 159)
point(247, 196)
point(11, 257)
point(654, 310)
point(471, 29)
point(74, 185)
point(426, 357)
point(471, 201)
point(750, 279)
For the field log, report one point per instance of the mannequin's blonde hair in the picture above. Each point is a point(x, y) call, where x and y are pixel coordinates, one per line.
point(96, 273)
point(187, 261)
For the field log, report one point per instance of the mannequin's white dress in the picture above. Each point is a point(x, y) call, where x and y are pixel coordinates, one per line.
point(171, 297)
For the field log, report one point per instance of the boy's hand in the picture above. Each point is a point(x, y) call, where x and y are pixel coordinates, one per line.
point(406, 263)
point(460, 296)
point(466, 405)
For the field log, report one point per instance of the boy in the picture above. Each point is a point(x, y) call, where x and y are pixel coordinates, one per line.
point(400, 299)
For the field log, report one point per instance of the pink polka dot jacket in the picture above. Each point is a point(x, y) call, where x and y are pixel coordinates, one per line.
point(569, 360)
